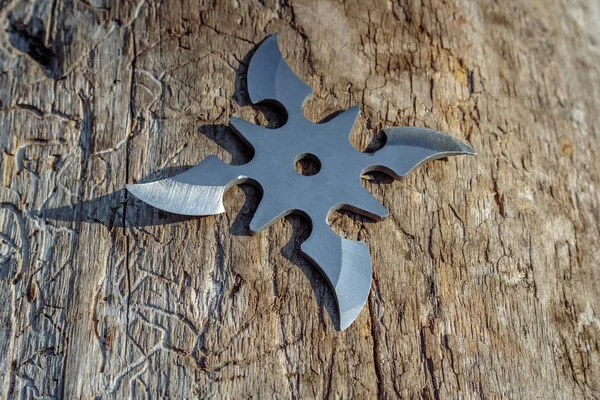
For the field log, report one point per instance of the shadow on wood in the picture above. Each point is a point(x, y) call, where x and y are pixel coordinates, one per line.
point(122, 210)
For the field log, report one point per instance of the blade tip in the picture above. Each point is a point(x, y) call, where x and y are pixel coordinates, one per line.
point(354, 109)
point(354, 283)
point(345, 323)
point(348, 317)
point(469, 150)
point(180, 198)
point(255, 230)
point(464, 148)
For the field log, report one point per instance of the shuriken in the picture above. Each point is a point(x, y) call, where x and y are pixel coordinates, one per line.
point(345, 263)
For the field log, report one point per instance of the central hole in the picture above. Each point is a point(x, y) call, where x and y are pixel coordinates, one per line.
point(307, 164)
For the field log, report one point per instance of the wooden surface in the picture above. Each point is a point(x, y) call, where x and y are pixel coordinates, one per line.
point(486, 274)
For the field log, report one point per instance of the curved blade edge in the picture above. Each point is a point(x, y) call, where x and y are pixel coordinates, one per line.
point(180, 198)
point(271, 78)
point(354, 283)
point(347, 266)
point(409, 147)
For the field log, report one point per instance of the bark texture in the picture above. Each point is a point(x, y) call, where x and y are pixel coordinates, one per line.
point(486, 274)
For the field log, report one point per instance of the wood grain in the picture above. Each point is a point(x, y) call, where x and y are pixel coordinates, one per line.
point(486, 274)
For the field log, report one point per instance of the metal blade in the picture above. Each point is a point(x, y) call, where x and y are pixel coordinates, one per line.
point(180, 198)
point(347, 266)
point(271, 78)
point(408, 147)
point(197, 191)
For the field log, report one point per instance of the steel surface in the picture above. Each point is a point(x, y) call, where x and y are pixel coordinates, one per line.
point(345, 263)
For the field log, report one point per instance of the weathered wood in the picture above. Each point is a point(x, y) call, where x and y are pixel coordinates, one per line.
point(485, 274)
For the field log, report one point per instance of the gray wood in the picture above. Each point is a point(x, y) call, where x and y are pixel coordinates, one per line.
point(485, 274)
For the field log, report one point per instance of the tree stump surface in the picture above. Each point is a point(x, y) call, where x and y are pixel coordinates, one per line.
point(486, 274)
